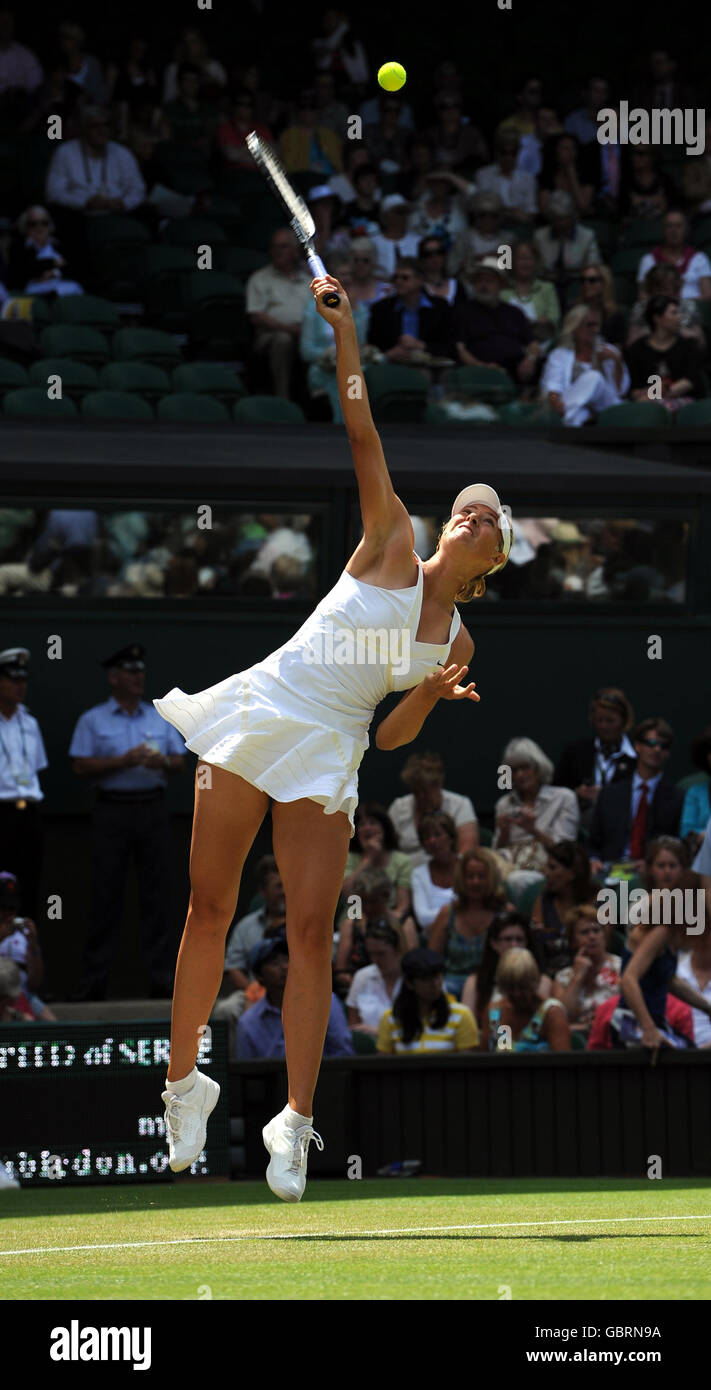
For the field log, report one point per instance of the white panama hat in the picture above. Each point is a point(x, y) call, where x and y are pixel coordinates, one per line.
point(481, 492)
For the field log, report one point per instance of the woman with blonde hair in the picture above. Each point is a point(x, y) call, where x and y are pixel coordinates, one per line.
point(520, 1021)
point(597, 291)
point(423, 775)
point(459, 929)
point(366, 285)
point(583, 374)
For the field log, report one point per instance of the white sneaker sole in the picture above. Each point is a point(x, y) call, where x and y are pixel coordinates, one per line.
point(210, 1099)
point(279, 1184)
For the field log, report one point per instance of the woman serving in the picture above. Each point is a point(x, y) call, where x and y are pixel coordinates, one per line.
point(294, 727)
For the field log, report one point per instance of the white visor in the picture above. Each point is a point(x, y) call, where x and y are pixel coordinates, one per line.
point(481, 492)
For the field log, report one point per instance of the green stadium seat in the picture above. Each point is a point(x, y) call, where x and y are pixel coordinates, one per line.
point(218, 325)
point(268, 410)
point(194, 232)
point(116, 405)
point(240, 183)
point(238, 260)
point(69, 340)
point(694, 416)
point(208, 286)
point(529, 415)
point(163, 273)
point(218, 381)
point(41, 311)
point(364, 1044)
point(605, 233)
point(12, 376)
point(397, 393)
point(691, 780)
point(435, 414)
point(117, 245)
point(31, 400)
point(86, 309)
point(190, 405)
point(635, 415)
point(625, 262)
point(77, 377)
point(115, 229)
point(140, 378)
point(226, 213)
point(146, 345)
point(644, 232)
point(485, 384)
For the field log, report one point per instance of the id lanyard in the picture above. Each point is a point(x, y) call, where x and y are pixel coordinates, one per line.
point(23, 779)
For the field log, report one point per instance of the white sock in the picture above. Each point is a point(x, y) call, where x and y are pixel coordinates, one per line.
point(178, 1088)
point(294, 1119)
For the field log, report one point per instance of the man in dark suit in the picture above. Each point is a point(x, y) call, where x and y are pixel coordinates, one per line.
point(411, 321)
point(630, 813)
point(662, 88)
point(587, 765)
point(491, 333)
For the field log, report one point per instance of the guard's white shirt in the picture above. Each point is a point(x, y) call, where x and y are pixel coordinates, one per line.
point(22, 756)
point(76, 174)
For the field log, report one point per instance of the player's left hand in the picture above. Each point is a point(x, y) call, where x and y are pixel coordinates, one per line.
point(445, 685)
point(342, 312)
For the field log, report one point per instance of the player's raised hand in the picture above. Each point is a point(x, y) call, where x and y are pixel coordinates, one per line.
point(342, 312)
point(445, 684)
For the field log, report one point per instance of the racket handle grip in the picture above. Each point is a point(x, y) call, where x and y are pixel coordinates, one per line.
point(332, 299)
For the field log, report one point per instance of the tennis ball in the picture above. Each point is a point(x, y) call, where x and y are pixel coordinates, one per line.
point(392, 76)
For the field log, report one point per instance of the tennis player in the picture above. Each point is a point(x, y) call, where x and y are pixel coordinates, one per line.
point(294, 727)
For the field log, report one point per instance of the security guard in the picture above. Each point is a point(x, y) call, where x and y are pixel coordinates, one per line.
point(22, 756)
point(128, 750)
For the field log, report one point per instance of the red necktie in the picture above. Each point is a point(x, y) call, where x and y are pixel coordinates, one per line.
point(639, 827)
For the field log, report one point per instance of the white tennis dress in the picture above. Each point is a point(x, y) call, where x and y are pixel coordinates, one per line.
point(296, 724)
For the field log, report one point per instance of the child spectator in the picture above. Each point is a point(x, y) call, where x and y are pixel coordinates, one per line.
point(423, 1018)
point(375, 987)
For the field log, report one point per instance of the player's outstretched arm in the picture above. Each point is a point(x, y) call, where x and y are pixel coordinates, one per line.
point(381, 509)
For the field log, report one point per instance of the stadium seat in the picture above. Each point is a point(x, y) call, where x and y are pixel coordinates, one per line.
point(435, 414)
point(625, 262)
point(217, 320)
point(190, 405)
point(635, 415)
point(644, 232)
point(116, 405)
point(77, 377)
point(86, 309)
point(41, 312)
point(238, 260)
point(146, 345)
point(32, 400)
point(691, 780)
point(240, 183)
point(194, 232)
point(12, 376)
point(529, 415)
point(479, 384)
point(115, 229)
point(163, 273)
point(205, 286)
point(269, 410)
point(220, 382)
point(700, 234)
point(397, 393)
point(227, 214)
point(116, 244)
point(68, 340)
point(140, 378)
point(605, 233)
point(694, 416)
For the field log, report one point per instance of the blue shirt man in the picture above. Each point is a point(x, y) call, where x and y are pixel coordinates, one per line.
point(259, 1030)
point(124, 743)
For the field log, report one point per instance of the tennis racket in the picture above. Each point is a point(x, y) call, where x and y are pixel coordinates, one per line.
point(300, 218)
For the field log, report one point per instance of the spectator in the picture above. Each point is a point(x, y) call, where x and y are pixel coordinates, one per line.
point(528, 100)
point(631, 812)
point(132, 84)
point(423, 1018)
point(702, 866)
point(233, 129)
point(535, 297)
point(694, 969)
point(563, 170)
point(433, 881)
point(90, 176)
point(308, 145)
point(20, 72)
point(664, 361)
point(678, 1015)
point(676, 250)
point(15, 1007)
point(662, 88)
point(509, 929)
point(387, 139)
point(317, 345)
point(408, 323)
point(370, 111)
point(696, 177)
point(413, 183)
point(665, 279)
point(516, 188)
point(697, 804)
point(340, 50)
point(375, 846)
point(22, 758)
point(564, 246)
point(269, 110)
point(584, 374)
point(459, 929)
point(485, 235)
point(490, 333)
point(590, 763)
point(366, 285)
point(530, 158)
point(432, 255)
point(19, 942)
point(594, 975)
point(259, 1030)
point(277, 296)
point(372, 887)
point(80, 68)
point(355, 155)
point(423, 775)
point(374, 987)
point(597, 291)
point(192, 48)
point(36, 265)
point(583, 123)
point(323, 205)
point(567, 882)
point(265, 921)
point(191, 119)
point(440, 211)
point(457, 144)
point(645, 191)
point(394, 241)
point(649, 975)
point(534, 816)
point(361, 216)
point(330, 112)
point(286, 537)
point(534, 1025)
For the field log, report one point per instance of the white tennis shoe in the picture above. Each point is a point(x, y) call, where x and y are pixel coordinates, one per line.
point(288, 1149)
point(5, 1179)
point(186, 1121)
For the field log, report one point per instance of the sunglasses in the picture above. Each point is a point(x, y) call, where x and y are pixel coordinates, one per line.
point(655, 742)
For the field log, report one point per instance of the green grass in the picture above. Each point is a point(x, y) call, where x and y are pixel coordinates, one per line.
point(367, 1240)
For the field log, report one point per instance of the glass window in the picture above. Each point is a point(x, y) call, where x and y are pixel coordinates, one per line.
point(155, 554)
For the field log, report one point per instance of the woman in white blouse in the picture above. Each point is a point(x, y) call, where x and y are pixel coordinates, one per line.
point(375, 986)
point(534, 816)
point(433, 882)
point(584, 374)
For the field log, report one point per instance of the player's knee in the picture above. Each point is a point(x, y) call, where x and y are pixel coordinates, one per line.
point(311, 934)
point(210, 913)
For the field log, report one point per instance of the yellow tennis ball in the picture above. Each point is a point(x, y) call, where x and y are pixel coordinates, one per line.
point(392, 76)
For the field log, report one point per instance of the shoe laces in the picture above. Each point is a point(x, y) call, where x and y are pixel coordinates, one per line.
point(172, 1114)
point(302, 1139)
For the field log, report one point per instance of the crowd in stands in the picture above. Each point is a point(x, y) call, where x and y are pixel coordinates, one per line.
point(606, 282)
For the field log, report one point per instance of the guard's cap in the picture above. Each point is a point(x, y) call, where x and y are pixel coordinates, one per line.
point(266, 948)
point(14, 661)
point(128, 658)
point(481, 492)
